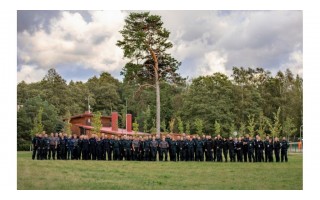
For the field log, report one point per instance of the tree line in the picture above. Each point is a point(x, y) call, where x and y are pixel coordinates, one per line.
point(249, 101)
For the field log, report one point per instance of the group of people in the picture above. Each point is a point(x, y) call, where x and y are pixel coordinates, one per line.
point(151, 148)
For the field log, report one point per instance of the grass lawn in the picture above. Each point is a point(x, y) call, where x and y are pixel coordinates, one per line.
point(135, 175)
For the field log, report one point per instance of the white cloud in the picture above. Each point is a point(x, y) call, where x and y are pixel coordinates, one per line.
point(30, 74)
point(295, 63)
point(213, 62)
point(72, 40)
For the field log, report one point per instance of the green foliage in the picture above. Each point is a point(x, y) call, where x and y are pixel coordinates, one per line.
point(289, 128)
point(67, 124)
point(180, 125)
point(37, 123)
point(232, 129)
point(188, 127)
point(96, 123)
point(135, 126)
point(163, 126)
point(171, 124)
point(251, 124)
point(275, 126)
point(242, 129)
point(217, 128)
point(198, 123)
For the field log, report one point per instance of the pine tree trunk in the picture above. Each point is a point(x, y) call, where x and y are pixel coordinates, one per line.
point(158, 103)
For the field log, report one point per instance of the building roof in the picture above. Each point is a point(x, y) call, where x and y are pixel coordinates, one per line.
point(109, 130)
point(86, 114)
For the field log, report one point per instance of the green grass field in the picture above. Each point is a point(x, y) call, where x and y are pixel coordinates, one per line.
point(125, 175)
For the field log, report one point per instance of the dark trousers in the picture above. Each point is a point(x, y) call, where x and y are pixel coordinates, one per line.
point(250, 156)
point(266, 155)
point(136, 153)
point(277, 154)
point(62, 153)
point(219, 155)
point(256, 155)
point(270, 156)
point(127, 153)
point(173, 155)
point(146, 154)
point(259, 156)
point(209, 155)
point(214, 154)
point(93, 155)
point(190, 154)
point(239, 155)
point(199, 154)
point(245, 155)
point(69, 153)
point(225, 154)
point(78, 153)
point(153, 154)
point(232, 155)
point(44, 153)
point(178, 155)
point(284, 155)
point(183, 153)
point(109, 152)
point(165, 152)
point(58, 153)
point(116, 154)
point(34, 152)
point(52, 152)
point(85, 154)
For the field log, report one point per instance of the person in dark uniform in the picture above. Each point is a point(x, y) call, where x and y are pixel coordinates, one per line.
point(231, 149)
point(250, 149)
point(59, 137)
point(115, 144)
point(215, 149)
point(256, 148)
point(225, 148)
point(92, 147)
point(204, 140)
point(111, 148)
point(35, 144)
point(99, 148)
point(178, 148)
point(106, 148)
point(208, 147)
point(136, 148)
point(126, 143)
point(154, 148)
point(239, 146)
point(284, 149)
point(260, 147)
point(146, 148)
point(70, 146)
point(199, 149)
point(169, 141)
point(190, 149)
point(158, 149)
point(79, 147)
point(219, 146)
point(45, 147)
point(85, 148)
point(173, 148)
point(74, 155)
point(63, 146)
point(266, 145)
point(245, 147)
point(181, 148)
point(164, 146)
point(270, 150)
point(276, 145)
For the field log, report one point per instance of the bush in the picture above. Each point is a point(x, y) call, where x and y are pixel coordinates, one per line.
point(23, 146)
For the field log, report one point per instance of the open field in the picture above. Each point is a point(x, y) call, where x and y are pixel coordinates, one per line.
point(121, 175)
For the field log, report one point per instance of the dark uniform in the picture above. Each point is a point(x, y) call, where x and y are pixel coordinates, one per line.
point(70, 146)
point(99, 149)
point(245, 149)
point(231, 150)
point(116, 144)
point(219, 146)
point(183, 150)
point(136, 149)
point(277, 150)
point(269, 150)
point(79, 148)
point(266, 144)
point(178, 150)
point(251, 150)
point(63, 146)
point(173, 148)
point(146, 149)
point(75, 149)
point(154, 147)
point(191, 150)
point(127, 149)
point(52, 150)
point(199, 150)
point(35, 144)
point(169, 141)
point(225, 147)
point(92, 149)
point(259, 147)
point(85, 149)
point(284, 150)
point(214, 150)
point(239, 147)
point(208, 146)
point(163, 150)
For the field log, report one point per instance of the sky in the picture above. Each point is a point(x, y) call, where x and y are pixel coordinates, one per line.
point(81, 44)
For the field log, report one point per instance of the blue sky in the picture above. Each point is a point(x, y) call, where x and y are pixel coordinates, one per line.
point(81, 44)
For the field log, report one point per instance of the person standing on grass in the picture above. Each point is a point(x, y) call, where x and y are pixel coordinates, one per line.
point(266, 145)
point(85, 148)
point(35, 144)
point(239, 146)
point(284, 145)
point(164, 146)
point(209, 148)
point(173, 148)
point(270, 150)
point(260, 147)
point(231, 149)
point(154, 148)
point(53, 147)
point(136, 148)
point(199, 149)
point(116, 148)
point(245, 141)
point(251, 149)
point(276, 145)
point(219, 146)
point(225, 149)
